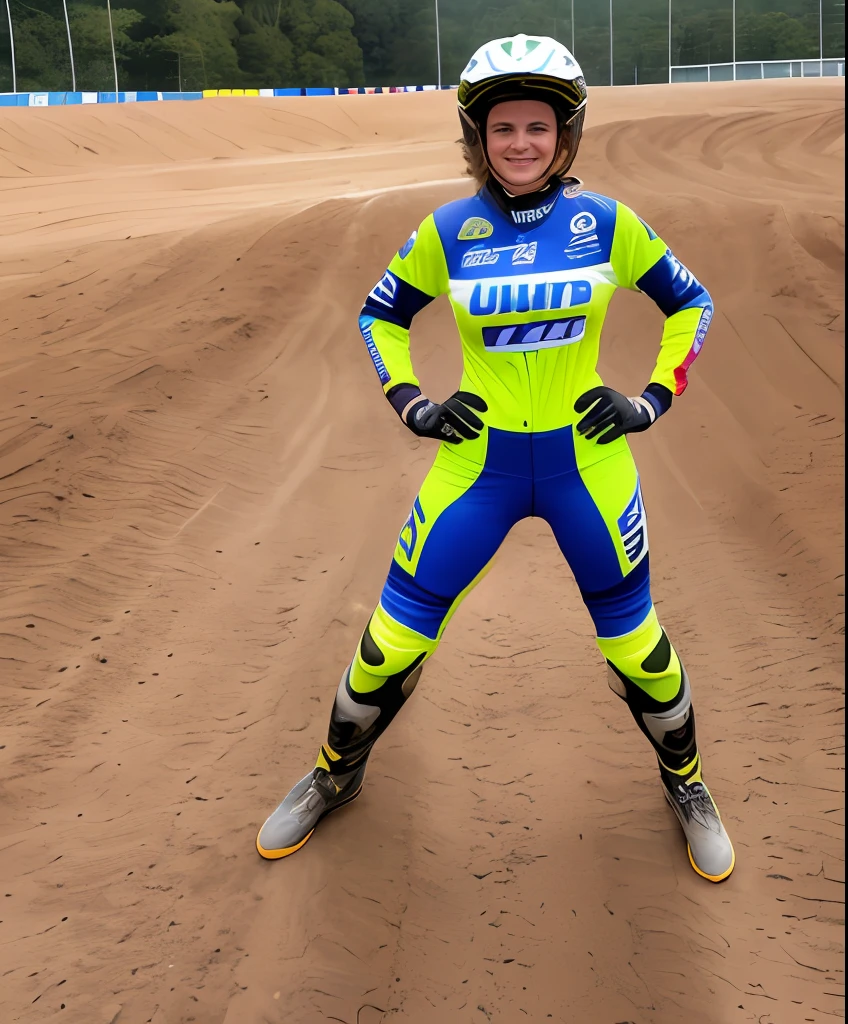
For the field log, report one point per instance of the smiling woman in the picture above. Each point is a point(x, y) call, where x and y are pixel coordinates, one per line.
point(522, 143)
point(529, 264)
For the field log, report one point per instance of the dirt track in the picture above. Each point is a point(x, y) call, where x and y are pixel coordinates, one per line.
point(200, 492)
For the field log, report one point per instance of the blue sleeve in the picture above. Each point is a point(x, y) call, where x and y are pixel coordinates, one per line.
point(394, 300)
point(672, 286)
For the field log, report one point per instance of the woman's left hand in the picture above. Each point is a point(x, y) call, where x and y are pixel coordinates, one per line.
point(610, 414)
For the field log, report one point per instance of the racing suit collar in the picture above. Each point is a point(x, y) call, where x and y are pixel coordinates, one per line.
point(531, 208)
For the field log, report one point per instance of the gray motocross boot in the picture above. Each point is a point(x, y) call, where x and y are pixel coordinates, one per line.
point(670, 727)
point(356, 722)
point(294, 820)
point(710, 850)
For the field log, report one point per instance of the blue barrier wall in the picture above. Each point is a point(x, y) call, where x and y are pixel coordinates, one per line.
point(62, 99)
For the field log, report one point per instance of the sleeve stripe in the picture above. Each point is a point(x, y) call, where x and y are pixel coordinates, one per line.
point(681, 371)
point(365, 324)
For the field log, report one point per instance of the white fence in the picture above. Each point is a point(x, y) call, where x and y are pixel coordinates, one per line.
point(830, 67)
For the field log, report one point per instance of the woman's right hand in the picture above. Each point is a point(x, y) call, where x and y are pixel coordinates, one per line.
point(452, 421)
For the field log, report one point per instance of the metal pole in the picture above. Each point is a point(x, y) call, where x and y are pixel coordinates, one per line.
point(572, 26)
point(734, 40)
point(611, 74)
point(12, 44)
point(821, 41)
point(669, 40)
point(438, 48)
point(70, 48)
point(112, 38)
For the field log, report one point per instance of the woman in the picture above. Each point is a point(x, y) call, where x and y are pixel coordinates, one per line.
point(530, 264)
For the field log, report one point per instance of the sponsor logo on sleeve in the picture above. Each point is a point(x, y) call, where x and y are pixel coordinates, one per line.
point(474, 228)
point(703, 327)
point(385, 290)
point(365, 325)
point(406, 249)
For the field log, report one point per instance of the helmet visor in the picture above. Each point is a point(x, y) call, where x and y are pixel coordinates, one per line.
point(475, 99)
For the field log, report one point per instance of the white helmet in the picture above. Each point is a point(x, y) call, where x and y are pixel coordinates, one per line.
point(524, 67)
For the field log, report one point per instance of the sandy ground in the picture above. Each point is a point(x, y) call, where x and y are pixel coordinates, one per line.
point(200, 490)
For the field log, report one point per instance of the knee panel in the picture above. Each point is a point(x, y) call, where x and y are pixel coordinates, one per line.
point(645, 671)
point(374, 687)
point(387, 653)
point(646, 658)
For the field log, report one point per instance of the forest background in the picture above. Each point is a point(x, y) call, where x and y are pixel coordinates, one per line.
point(207, 44)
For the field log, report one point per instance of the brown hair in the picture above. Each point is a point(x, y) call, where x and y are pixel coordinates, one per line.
point(477, 168)
point(475, 163)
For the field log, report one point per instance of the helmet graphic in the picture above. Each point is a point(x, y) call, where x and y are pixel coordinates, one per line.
point(524, 67)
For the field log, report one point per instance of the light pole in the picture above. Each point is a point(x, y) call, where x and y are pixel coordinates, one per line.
point(438, 49)
point(734, 40)
point(112, 38)
point(70, 48)
point(611, 74)
point(12, 44)
point(669, 40)
point(572, 26)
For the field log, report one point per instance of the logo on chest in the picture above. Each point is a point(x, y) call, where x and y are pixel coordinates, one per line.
point(522, 254)
point(519, 296)
point(533, 216)
point(584, 237)
point(475, 227)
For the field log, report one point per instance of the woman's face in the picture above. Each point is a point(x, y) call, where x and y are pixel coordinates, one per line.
point(521, 139)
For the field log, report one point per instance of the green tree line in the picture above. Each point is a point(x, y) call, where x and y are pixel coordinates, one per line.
point(197, 44)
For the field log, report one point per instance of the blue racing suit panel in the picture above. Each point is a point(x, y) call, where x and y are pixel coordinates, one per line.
point(395, 301)
point(477, 491)
point(672, 286)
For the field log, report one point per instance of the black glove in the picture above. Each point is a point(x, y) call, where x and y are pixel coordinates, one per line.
point(610, 414)
point(451, 421)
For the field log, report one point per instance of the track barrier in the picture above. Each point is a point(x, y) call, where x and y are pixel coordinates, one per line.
point(63, 99)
